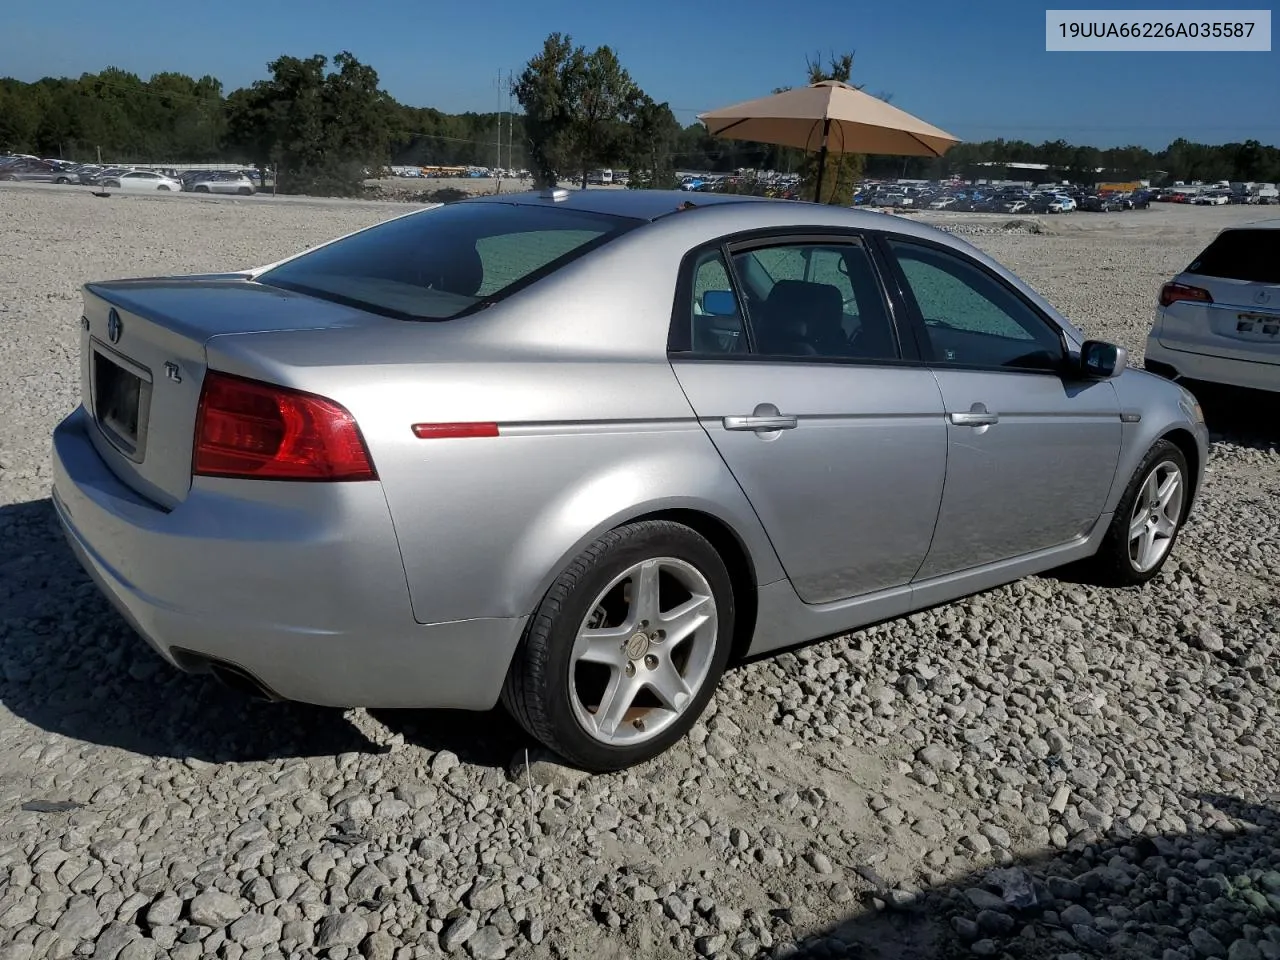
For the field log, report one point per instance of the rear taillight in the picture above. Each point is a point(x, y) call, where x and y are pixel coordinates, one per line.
point(1173, 292)
point(254, 430)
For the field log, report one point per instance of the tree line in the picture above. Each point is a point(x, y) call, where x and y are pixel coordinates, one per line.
point(321, 123)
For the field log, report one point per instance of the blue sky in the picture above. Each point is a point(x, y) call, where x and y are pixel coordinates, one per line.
point(977, 71)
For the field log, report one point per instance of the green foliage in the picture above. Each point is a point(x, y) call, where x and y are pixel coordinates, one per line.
point(842, 170)
point(320, 129)
point(578, 109)
point(324, 124)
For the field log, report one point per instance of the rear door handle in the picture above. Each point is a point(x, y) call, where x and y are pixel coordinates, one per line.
point(976, 416)
point(777, 422)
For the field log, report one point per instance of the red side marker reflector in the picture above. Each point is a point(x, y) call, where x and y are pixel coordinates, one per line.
point(443, 431)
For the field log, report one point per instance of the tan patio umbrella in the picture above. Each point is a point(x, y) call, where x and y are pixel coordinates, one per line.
point(829, 116)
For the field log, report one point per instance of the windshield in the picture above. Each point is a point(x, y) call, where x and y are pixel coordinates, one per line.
point(1250, 255)
point(446, 262)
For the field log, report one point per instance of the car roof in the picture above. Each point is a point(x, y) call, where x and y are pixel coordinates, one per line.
point(635, 204)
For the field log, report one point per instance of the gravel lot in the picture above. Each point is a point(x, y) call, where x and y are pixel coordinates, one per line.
point(1045, 770)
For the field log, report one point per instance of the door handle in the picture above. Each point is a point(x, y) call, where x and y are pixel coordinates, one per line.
point(778, 422)
point(976, 416)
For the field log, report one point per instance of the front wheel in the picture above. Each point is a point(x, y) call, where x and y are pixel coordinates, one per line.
point(1147, 520)
point(626, 648)
point(163, 188)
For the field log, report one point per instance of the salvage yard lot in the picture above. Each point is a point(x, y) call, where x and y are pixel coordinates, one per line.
point(848, 798)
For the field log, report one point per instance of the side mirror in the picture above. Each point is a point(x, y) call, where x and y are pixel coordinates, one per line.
point(1101, 360)
point(720, 303)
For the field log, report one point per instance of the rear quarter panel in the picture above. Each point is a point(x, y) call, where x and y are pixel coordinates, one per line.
point(485, 525)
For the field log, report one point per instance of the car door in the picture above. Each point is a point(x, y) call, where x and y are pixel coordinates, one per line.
point(787, 350)
point(1032, 451)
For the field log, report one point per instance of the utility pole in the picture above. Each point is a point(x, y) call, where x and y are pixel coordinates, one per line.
point(498, 166)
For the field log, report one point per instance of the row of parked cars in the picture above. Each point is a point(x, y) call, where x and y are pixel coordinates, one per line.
point(131, 179)
point(1000, 200)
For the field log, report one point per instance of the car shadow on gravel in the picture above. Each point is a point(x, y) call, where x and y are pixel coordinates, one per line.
point(1247, 418)
point(1116, 895)
point(69, 664)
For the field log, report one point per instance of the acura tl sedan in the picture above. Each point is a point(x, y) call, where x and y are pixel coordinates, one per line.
point(574, 451)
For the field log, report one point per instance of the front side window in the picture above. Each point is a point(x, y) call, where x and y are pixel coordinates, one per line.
point(971, 318)
point(442, 263)
point(815, 300)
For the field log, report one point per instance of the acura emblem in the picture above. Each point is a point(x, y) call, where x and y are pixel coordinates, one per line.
point(1262, 296)
point(114, 326)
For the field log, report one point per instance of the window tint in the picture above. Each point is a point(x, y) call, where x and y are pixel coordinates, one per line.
point(440, 263)
point(820, 300)
point(1252, 255)
point(715, 314)
point(971, 318)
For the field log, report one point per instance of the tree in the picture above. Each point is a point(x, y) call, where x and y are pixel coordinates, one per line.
point(654, 131)
point(545, 96)
point(578, 107)
point(320, 130)
point(842, 170)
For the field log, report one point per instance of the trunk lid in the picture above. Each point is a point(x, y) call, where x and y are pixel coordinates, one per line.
point(143, 361)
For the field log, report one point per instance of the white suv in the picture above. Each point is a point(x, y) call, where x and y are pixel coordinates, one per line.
point(1219, 320)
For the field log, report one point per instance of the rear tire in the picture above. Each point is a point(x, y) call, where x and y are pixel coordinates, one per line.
point(163, 188)
point(200, 189)
point(1147, 520)
point(641, 623)
point(245, 192)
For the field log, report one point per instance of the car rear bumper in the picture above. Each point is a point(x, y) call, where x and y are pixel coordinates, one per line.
point(1229, 371)
point(306, 595)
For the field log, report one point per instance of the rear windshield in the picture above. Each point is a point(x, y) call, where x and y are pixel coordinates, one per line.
point(1252, 255)
point(446, 262)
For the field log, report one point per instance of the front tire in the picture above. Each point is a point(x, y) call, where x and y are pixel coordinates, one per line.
point(626, 648)
point(1147, 520)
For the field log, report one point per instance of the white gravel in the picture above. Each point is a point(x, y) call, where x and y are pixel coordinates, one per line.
point(1046, 770)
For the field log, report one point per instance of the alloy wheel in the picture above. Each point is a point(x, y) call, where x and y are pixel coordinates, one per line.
point(1156, 512)
point(643, 651)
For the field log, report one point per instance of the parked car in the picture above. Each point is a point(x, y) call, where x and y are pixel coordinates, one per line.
point(29, 170)
point(1219, 320)
point(299, 477)
point(220, 182)
point(142, 180)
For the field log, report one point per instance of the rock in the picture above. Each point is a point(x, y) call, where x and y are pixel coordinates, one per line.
point(486, 896)
point(457, 931)
point(141, 949)
point(543, 771)
point(1205, 943)
point(215, 909)
point(165, 911)
point(1210, 640)
point(378, 946)
point(993, 921)
point(819, 861)
point(939, 758)
point(443, 762)
point(366, 883)
point(985, 900)
point(80, 921)
point(16, 951)
point(983, 948)
point(355, 808)
point(341, 930)
point(113, 940)
point(1243, 950)
point(255, 930)
point(1076, 914)
point(487, 944)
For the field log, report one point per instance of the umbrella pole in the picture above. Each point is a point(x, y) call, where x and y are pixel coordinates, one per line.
point(822, 159)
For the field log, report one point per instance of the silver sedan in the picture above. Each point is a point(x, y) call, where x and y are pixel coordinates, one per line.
point(574, 451)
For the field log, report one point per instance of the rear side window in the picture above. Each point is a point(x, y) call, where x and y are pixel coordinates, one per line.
point(1251, 255)
point(446, 262)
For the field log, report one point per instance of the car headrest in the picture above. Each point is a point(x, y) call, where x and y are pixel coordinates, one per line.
point(459, 270)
